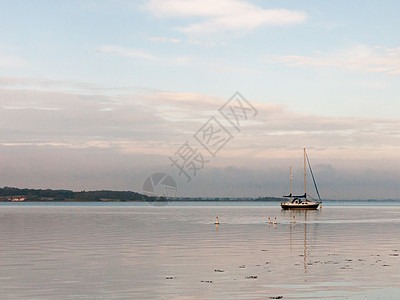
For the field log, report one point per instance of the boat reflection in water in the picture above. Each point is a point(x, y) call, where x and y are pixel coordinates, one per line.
point(302, 202)
point(299, 215)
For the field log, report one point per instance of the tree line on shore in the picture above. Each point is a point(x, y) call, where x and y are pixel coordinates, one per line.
point(25, 194)
point(9, 193)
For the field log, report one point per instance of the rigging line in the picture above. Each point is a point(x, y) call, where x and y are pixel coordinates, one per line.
point(315, 184)
point(312, 198)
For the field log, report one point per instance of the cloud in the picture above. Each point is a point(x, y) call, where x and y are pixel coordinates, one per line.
point(142, 55)
point(100, 140)
point(360, 58)
point(223, 15)
point(208, 44)
point(66, 86)
point(164, 40)
point(7, 60)
point(116, 50)
point(128, 122)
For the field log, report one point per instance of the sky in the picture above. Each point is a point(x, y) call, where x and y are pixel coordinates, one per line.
point(103, 94)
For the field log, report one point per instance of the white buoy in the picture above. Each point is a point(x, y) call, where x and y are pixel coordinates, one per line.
point(216, 221)
point(275, 221)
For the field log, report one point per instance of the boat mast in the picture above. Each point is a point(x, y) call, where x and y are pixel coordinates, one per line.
point(291, 177)
point(305, 184)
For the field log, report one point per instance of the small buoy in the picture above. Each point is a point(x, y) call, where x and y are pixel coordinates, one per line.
point(275, 221)
point(216, 221)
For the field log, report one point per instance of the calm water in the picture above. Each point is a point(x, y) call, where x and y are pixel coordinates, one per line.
point(136, 251)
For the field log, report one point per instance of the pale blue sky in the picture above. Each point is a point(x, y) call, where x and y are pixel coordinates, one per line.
point(136, 44)
point(336, 63)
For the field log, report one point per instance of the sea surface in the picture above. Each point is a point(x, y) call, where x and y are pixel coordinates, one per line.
point(346, 250)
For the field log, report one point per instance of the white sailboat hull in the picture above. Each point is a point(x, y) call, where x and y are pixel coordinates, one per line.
point(302, 205)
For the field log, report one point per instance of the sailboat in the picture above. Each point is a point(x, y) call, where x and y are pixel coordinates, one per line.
point(303, 201)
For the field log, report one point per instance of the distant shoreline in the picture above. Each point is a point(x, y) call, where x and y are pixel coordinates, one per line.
point(188, 200)
point(12, 194)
